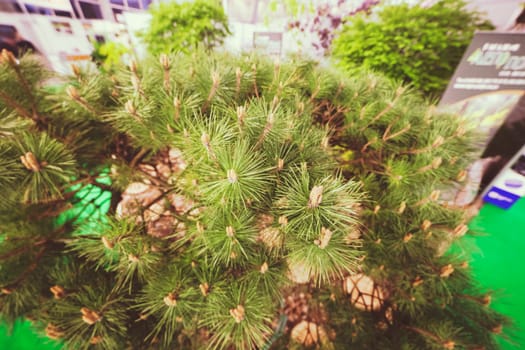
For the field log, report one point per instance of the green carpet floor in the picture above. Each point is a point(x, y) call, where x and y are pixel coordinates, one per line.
point(497, 263)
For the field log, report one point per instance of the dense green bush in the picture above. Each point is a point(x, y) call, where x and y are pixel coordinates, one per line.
point(181, 27)
point(414, 44)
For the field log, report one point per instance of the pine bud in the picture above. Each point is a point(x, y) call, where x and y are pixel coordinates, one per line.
point(107, 243)
point(238, 75)
point(435, 195)
point(133, 258)
point(135, 82)
point(6, 290)
point(438, 142)
point(446, 270)
point(130, 108)
point(76, 70)
point(300, 108)
point(461, 176)
point(204, 287)
point(90, 317)
point(205, 139)
point(316, 197)
point(241, 115)
point(164, 61)
point(30, 162)
point(170, 300)
point(230, 232)
point(95, 340)
point(486, 300)
point(58, 292)
point(325, 237)
point(402, 208)
point(237, 313)
point(200, 227)
point(449, 345)
point(53, 332)
point(417, 281)
point(464, 264)
point(9, 57)
point(376, 209)
point(72, 92)
point(426, 225)
point(264, 267)
point(216, 80)
point(407, 237)
point(283, 220)
point(497, 330)
point(460, 230)
point(232, 176)
point(133, 66)
point(280, 164)
point(437, 162)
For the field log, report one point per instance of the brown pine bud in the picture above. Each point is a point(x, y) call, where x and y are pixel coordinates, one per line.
point(316, 197)
point(6, 290)
point(426, 225)
point(436, 162)
point(170, 300)
point(407, 237)
point(446, 270)
point(204, 287)
point(133, 258)
point(417, 281)
point(130, 108)
point(230, 232)
point(402, 208)
point(283, 220)
point(438, 142)
point(58, 292)
point(324, 238)
point(133, 66)
point(232, 176)
point(8, 57)
point(72, 92)
point(461, 176)
point(30, 162)
point(435, 195)
point(164, 61)
point(377, 208)
point(241, 115)
point(264, 268)
point(449, 345)
point(497, 330)
point(460, 230)
point(107, 243)
point(486, 300)
point(237, 313)
point(76, 70)
point(53, 332)
point(280, 164)
point(95, 340)
point(90, 317)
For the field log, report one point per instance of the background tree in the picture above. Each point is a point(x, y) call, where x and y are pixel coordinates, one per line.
point(230, 223)
point(423, 51)
point(182, 27)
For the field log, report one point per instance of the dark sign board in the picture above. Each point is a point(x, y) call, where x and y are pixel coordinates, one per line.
point(488, 89)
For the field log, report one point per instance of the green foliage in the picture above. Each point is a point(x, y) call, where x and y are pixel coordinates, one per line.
point(109, 54)
point(413, 44)
point(184, 26)
point(245, 197)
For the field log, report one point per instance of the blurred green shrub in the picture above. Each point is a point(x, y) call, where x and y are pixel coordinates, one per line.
point(182, 27)
point(414, 44)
